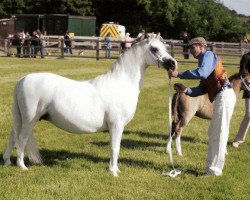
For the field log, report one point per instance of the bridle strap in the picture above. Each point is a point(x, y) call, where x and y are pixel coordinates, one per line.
point(244, 82)
point(158, 58)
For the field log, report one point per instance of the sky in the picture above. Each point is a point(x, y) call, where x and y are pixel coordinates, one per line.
point(240, 6)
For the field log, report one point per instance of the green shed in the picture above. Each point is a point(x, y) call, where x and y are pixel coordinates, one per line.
point(57, 24)
point(77, 25)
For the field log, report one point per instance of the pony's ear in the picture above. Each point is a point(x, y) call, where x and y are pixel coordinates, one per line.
point(149, 36)
point(158, 36)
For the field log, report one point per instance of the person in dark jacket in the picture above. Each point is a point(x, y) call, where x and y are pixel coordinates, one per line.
point(185, 45)
point(245, 123)
point(17, 42)
point(67, 42)
point(34, 41)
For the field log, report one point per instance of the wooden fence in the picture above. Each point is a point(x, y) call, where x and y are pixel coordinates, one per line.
point(94, 47)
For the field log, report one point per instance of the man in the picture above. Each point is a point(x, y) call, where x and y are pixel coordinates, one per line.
point(108, 42)
point(185, 45)
point(244, 126)
point(214, 82)
point(67, 42)
point(41, 42)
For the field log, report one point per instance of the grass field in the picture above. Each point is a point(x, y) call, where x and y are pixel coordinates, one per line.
point(76, 165)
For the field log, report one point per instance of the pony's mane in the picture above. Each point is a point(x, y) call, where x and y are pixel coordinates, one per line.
point(131, 51)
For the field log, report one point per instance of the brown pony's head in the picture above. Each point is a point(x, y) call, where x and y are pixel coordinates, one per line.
point(240, 81)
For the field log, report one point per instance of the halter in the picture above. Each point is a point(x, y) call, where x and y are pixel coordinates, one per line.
point(157, 57)
point(245, 84)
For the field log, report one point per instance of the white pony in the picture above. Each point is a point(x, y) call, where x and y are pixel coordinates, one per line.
point(107, 102)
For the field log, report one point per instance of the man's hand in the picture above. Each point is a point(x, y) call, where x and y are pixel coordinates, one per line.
point(180, 88)
point(172, 73)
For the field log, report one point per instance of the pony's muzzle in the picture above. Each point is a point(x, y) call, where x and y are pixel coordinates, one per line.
point(169, 64)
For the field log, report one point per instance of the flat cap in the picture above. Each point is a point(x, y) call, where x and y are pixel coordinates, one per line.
point(198, 40)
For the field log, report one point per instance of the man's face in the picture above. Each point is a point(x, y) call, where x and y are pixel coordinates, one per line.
point(196, 50)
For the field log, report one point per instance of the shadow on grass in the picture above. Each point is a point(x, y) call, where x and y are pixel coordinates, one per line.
point(132, 144)
point(144, 134)
point(51, 158)
point(163, 137)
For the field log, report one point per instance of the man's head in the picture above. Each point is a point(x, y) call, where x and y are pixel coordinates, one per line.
point(197, 46)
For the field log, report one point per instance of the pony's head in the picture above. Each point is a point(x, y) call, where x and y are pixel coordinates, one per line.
point(241, 80)
point(157, 54)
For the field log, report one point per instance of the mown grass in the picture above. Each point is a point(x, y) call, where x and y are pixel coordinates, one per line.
point(76, 165)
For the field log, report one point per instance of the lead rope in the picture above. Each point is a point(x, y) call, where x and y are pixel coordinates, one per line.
point(174, 172)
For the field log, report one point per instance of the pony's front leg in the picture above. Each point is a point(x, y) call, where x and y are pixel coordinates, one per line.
point(116, 131)
point(7, 153)
point(168, 145)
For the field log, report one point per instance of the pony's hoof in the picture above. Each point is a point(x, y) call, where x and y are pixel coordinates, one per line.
point(236, 144)
point(7, 162)
point(180, 154)
point(115, 173)
point(22, 166)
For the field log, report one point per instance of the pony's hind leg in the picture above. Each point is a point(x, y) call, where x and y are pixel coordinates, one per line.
point(21, 142)
point(178, 144)
point(7, 153)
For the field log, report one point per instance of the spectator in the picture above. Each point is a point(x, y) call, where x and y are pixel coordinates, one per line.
point(141, 36)
point(244, 40)
point(185, 45)
point(41, 41)
point(17, 42)
point(10, 37)
point(67, 42)
point(128, 41)
point(108, 44)
point(34, 44)
point(141, 33)
point(27, 45)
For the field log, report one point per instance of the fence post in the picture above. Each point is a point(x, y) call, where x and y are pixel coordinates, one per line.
point(62, 47)
point(242, 50)
point(97, 50)
point(6, 47)
point(213, 48)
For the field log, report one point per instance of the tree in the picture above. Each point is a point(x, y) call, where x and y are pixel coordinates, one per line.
point(207, 18)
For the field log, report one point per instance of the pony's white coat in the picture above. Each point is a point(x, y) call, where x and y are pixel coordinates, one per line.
point(107, 102)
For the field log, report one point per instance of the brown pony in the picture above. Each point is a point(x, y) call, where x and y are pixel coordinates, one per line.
point(184, 108)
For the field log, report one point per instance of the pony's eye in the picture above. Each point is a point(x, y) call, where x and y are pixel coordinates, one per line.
point(153, 49)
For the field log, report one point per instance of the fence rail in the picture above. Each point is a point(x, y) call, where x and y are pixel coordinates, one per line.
point(94, 47)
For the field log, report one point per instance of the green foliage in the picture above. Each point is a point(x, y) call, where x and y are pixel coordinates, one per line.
point(207, 18)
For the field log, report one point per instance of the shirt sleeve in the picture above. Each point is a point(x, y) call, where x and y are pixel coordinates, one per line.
point(207, 63)
point(196, 91)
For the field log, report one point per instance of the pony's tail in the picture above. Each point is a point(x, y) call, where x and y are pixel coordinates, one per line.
point(31, 146)
point(32, 151)
point(16, 113)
